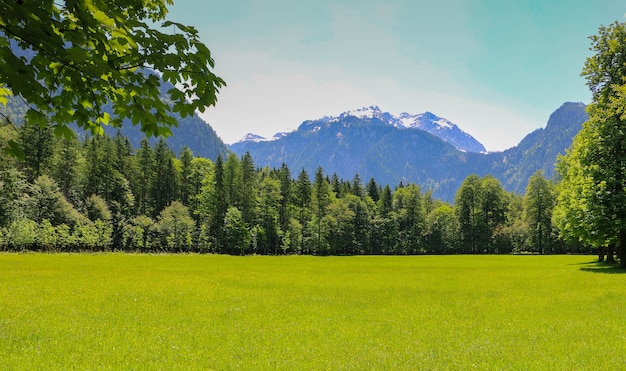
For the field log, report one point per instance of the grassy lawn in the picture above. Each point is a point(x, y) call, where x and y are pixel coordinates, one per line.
point(116, 311)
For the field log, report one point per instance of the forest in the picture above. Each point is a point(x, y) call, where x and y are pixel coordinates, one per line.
point(100, 194)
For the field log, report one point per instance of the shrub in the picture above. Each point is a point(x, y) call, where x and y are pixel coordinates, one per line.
point(22, 234)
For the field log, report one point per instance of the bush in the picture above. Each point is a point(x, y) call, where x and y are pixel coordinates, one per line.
point(22, 234)
point(93, 236)
point(47, 238)
point(136, 234)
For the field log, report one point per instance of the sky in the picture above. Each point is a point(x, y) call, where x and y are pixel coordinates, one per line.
point(496, 68)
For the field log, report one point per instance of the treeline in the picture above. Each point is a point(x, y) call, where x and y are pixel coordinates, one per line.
point(100, 195)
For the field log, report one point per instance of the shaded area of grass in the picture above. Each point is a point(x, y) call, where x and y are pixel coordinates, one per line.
point(603, 267)
point(115, 311)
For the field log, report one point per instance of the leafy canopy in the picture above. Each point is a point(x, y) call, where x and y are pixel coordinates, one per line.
point(592, 195)
point(69, 59)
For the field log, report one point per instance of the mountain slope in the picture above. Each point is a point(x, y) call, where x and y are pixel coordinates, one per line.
point(540, 149)
point(192, 132)
point(443, 129)
point(370, 146)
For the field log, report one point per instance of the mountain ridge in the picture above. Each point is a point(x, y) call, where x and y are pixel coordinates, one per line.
point(426, 121)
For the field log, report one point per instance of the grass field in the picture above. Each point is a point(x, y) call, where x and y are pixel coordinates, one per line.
point(116, 311)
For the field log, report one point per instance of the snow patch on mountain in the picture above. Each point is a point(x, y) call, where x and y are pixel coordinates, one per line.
point(442, 128)
point(427, 121)
point(255, 138)
point(251, 137)
point(444, 124)
point(365, 112)
point(280, 135)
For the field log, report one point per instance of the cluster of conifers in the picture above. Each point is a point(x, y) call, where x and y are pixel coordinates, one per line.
point(101, 195)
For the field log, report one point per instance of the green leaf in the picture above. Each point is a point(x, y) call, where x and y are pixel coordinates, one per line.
point(64, 131)
point(15, 150)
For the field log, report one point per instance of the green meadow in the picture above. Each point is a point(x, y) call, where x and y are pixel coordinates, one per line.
point(125, 311)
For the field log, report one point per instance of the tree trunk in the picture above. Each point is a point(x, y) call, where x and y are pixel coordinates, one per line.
point(610, 253)
point(621, 250)
point(601, 254)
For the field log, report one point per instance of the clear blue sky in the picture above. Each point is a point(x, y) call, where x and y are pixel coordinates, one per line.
point(497, 68)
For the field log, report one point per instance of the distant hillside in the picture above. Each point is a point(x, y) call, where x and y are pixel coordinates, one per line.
point(371, 147)
point(192, 132)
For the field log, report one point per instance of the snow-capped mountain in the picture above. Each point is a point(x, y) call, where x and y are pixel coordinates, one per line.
point(255, 138)
point(442, 128)
point(251, 137)
point(438, 126)
point(371, 112)
point(427, 121)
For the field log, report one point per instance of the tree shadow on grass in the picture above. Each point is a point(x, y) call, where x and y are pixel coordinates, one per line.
point(603, 267)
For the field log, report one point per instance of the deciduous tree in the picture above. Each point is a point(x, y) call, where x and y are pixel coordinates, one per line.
point(69, 59)
point(175, 228)
point(592, 194)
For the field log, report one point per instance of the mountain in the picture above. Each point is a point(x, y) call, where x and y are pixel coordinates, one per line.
point(250, 137)
point(540, 149)
point(443, 129)
point(427, 121)
point(376, 144)
point(348, 145)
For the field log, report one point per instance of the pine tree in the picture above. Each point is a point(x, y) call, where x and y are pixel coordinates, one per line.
point(165, 183)
point(201, 172)
point(248, 189)
point(232, 180)
point(284, 175)
point(373, 190)
point(321, 200)
point(303, 198)
point(145, 178)
point(186, 184)
point(92, 181)
point(65, 168)
point(218, 203)
point(37, 144)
